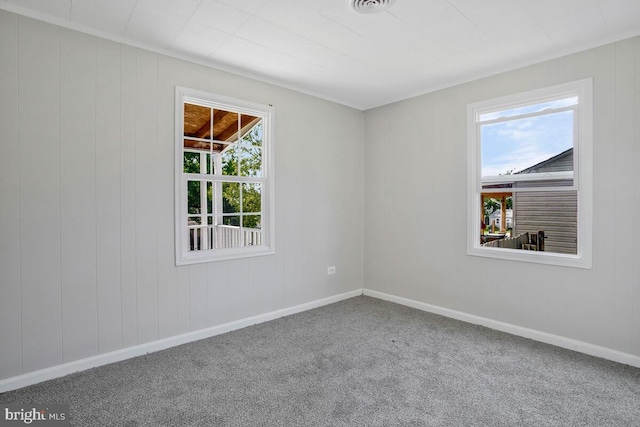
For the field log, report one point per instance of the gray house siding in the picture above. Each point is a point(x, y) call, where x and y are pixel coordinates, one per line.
point(554, 212)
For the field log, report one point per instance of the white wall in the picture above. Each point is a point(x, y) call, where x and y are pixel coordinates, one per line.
point(416, 170)
point(86, 200)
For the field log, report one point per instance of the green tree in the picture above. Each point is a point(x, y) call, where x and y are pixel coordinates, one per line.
point(243, 159)
point(191, 164)
point(490, 206)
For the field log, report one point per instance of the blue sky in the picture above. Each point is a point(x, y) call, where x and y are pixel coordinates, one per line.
point(517, 144)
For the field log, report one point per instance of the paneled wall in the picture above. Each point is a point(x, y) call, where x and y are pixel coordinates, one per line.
point(415, 207)
point(87, 192)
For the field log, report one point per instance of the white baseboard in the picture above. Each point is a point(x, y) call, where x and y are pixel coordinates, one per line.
point(35, 377)
point(568, 343)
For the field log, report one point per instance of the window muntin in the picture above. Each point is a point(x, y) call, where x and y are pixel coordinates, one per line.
point(532, 151)
point(224, 206)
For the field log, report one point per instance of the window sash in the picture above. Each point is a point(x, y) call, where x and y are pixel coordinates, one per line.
point(538, 176)
point(207, 251)
point(502, 119)
point(582, 175)
point(535, 176)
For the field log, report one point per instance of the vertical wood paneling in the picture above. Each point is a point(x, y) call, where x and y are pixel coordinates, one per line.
point(95, 169)
point(108, 196)
point(198, 296)
point(278, 292)
point(10, 310)
point(184, 300)
point(635, 280)
point(78, 195)
point(262, 278)
point(217, 293)
point(168, 75)
point(39, 144)
point(598, 321)
point(288, 214)
point(624, 177)
point(242, 298)
point(128, 81)
point(146, 195)
point(184, 272)
point(580, 318)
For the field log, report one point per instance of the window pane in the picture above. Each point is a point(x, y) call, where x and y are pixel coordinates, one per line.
point(196, 145)
point(210, 195)
point(194, 233)
point(231, 197)
point(231, 221)
point(252, 135)
point(230, 161)
point(492, 224)
point(251, 197)
point(554, 213)
point(227, 232)
point(193, 197)
point(527, 145)
point(252, 230)
point(252, 221)
point(197, 121)
point(225, 126)
point(210, 165)
point(250, 160)
point(541, 220)
point(191, 163)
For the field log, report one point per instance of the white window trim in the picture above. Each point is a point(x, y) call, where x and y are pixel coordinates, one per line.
point(185, 257)
point(583, 174)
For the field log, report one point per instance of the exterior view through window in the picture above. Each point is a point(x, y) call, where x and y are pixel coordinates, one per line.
point(222, 178)
point(526, 153)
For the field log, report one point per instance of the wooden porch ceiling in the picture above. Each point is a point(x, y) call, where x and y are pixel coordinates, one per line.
point(496, 195)
point(228, 127)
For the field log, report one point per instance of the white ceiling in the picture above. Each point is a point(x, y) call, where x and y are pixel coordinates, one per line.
point(322, 47)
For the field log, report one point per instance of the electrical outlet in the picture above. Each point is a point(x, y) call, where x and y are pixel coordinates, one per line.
point(331, 270)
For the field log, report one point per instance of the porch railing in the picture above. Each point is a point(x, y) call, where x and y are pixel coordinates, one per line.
point(202, 237)
point(526, 241)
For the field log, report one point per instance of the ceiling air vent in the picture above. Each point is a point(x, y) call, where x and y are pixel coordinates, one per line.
point(369, 6)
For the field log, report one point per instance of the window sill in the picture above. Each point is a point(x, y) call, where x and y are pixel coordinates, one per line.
point(550, 258)
point(222, 255)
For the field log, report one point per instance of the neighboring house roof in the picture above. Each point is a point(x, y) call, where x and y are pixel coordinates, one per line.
point(559, 162)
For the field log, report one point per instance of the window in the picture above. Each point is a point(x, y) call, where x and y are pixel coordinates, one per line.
point(530, 176)
point(224, 178)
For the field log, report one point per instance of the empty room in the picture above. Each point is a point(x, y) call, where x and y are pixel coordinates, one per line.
point(320, 212)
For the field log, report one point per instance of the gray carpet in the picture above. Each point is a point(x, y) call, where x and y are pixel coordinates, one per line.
point(360, 362)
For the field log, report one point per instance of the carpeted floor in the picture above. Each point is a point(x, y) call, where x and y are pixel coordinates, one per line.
point(360, 362)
